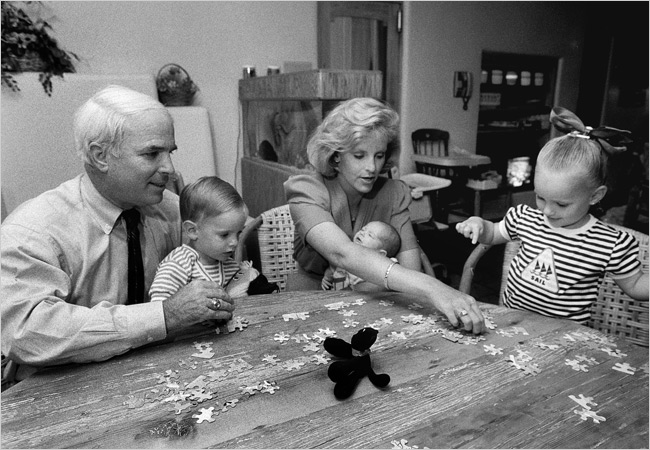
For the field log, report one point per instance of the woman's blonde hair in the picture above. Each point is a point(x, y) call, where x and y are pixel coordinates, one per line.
point(349, 124)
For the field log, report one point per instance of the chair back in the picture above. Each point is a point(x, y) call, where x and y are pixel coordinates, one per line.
point(613, 312)
point(430, 142)
point(275, 231)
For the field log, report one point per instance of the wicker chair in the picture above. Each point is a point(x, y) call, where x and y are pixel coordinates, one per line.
point(613, 312)
point(274, 246)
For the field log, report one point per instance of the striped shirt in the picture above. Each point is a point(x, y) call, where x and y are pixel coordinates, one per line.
point(556, 271)
point(181, 266)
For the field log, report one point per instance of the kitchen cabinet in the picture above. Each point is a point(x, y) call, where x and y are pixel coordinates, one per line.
point(516, 97)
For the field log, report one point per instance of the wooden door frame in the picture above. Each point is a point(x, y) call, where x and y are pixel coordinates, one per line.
point(387, 12)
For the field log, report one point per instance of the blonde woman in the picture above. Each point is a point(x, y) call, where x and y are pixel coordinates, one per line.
point(356, 142)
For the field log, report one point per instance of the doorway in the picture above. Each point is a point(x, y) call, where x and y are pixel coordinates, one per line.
point(363, 36)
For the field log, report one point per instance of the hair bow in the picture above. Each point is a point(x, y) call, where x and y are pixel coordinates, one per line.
point(612, 140)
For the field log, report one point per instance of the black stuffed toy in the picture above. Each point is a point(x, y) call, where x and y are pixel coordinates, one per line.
point(347, 374)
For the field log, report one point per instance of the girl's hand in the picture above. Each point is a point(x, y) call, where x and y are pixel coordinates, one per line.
point(472, 228)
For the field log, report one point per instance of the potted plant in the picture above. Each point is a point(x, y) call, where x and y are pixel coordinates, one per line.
point(27, 46)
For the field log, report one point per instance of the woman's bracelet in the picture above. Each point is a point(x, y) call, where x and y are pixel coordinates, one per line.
point(386, 275)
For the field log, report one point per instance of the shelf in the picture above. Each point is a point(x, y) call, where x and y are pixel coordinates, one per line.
point(321, 84)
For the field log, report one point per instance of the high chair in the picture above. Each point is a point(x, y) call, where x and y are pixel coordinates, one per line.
point(432, 156)
point(613, 312)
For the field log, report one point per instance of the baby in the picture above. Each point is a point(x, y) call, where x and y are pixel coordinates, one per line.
point(376, 235)
point(213, 215)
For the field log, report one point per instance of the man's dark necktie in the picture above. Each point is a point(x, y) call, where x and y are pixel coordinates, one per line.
point(136, 270)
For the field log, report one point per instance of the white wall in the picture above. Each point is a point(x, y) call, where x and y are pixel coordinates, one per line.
point(212, 40)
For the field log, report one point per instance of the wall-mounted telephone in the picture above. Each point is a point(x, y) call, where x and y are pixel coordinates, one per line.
point(463, 86)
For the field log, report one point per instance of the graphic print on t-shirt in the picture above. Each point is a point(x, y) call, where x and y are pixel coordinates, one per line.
point(541, 271)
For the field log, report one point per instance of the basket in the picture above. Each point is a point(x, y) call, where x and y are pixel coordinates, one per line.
point(175, 86)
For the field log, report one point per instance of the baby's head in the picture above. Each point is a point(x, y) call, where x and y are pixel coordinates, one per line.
point(379, 236)
point(570, 177)
point(213, 215)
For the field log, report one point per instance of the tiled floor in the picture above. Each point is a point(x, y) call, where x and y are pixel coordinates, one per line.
point(451, 249)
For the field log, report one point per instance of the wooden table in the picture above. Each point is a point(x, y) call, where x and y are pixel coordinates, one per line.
point(442, 393)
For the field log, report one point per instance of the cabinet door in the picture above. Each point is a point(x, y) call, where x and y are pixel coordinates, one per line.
point(362, 36)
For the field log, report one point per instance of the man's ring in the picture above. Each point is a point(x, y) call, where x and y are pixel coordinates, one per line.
point(462, 312)
point(217, 304)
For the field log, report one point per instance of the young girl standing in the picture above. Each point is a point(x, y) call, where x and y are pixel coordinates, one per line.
point(564, 249)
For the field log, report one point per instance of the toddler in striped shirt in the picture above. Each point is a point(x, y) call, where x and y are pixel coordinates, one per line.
point(213, 214)
point(565, 250)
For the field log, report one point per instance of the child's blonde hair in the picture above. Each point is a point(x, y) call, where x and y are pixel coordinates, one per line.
point(571, 151)
point(208, 197)
point(583, 146)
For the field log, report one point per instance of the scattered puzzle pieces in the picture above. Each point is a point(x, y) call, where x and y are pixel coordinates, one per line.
point(201, 396)
point(206, 353)
point(271, 359)
point(180, 407)
point(413, 318)
point(616, 353)
point(281, 337)
point(583, 401)
point(311, 347)
point(206, 414)
point(588, 360)
point(239, 365)
point(295, 316)
point(575, 365)
point(293, 365)
point(229, 404)
point(347, 323)
point(493, 350)
point(587, 413)
point(320, 359)
point(547, 346)
point(526, 366)
point(401, 444)
point(269, 388)
point(625, 368)
point(398, 335)
point(300, 338)
point(489, 324)
point(337, 306)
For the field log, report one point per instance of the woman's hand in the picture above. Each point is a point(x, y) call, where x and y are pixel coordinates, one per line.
point(460, 309)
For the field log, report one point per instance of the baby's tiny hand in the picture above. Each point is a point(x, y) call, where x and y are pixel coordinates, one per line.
point(471, 228)
point(326, 284)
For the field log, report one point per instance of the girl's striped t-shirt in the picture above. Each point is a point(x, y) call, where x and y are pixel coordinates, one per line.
point(557, 271)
